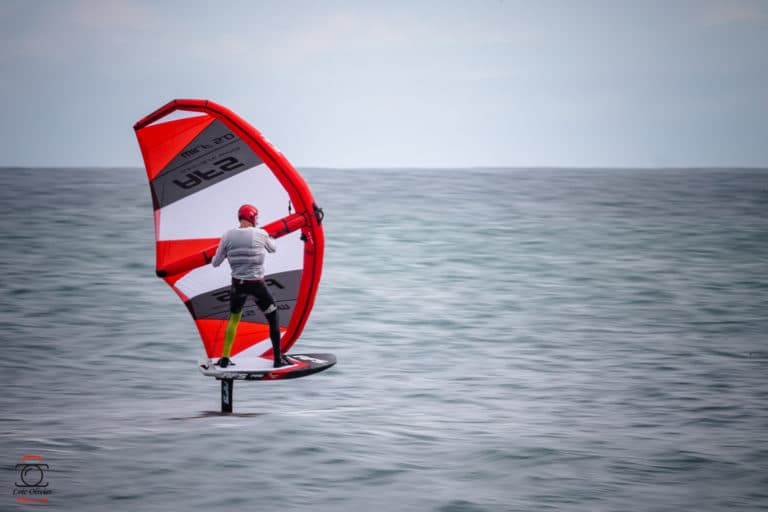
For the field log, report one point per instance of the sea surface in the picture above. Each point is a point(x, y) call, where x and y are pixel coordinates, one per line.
point(507, 340)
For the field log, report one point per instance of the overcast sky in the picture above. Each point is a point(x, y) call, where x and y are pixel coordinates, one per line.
point(396, 83)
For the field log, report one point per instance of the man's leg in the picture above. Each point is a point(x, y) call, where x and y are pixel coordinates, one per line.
point(236, 303)
point(229, 338)
point(274, 336)
point(267, 305)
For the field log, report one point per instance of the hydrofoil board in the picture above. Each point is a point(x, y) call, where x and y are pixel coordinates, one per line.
point(262, 369)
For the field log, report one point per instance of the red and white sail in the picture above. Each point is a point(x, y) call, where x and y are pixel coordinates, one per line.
point(203, 161)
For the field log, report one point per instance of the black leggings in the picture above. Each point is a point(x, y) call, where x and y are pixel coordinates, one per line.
point(240, 291)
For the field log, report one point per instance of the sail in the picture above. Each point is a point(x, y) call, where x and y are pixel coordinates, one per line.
point(203, 161)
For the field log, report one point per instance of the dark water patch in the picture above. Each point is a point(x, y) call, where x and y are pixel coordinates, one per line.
point(461, 506)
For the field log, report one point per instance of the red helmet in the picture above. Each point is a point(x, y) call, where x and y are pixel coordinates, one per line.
point(248, 212)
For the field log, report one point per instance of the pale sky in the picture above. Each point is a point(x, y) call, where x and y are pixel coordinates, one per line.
point(396, 83)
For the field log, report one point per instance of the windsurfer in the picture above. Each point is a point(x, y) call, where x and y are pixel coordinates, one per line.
point(245, 248)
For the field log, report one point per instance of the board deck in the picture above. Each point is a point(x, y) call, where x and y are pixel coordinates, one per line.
point(261, 368)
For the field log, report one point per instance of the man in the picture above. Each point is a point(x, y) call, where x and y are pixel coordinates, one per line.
point(245, 248)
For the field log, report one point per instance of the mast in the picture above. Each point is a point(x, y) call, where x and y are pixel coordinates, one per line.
point(227, 387)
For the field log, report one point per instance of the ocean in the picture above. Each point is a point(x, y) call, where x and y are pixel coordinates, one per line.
point(507, 340)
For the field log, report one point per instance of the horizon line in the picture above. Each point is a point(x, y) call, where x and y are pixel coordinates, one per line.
point(434, 168)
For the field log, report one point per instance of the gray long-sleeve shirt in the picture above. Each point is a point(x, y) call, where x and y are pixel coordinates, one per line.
point(245, 248)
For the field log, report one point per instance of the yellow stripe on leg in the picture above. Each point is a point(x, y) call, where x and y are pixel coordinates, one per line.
point(229, 336)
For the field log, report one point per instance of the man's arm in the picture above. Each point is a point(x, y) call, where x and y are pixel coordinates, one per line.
point(221, 252)
point(269, 243)
point(269, 240)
